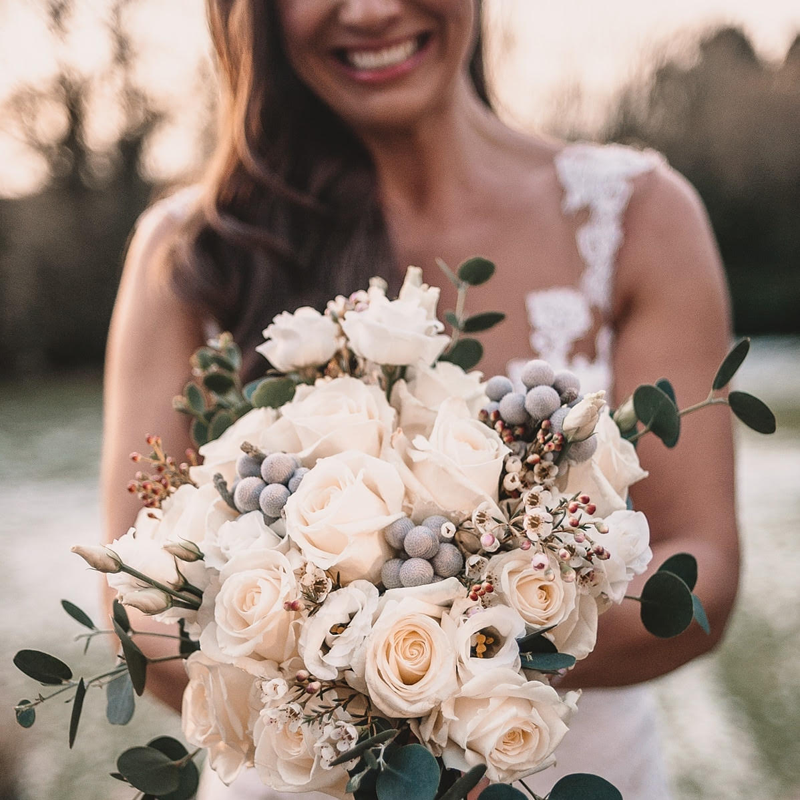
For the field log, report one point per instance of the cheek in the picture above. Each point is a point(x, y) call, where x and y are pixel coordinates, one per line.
point(301, 22)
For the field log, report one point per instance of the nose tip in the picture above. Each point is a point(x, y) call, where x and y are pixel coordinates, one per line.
point(369, 13)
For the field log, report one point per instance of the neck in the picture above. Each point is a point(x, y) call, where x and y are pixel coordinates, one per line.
point(426, 167)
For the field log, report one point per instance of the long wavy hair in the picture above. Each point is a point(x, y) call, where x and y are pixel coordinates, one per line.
point(291, 214)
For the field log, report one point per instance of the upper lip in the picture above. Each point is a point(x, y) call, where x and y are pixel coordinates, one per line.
point(381, 44)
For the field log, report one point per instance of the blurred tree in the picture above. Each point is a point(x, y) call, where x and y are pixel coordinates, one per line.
point(731, 124)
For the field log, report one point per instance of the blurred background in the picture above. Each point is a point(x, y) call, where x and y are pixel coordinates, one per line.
point(105, 104)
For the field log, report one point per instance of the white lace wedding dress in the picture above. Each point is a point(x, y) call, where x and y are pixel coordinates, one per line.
point(615, 732)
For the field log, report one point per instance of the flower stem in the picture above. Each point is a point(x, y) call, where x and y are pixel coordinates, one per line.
point(191, 602)
point(709, 401)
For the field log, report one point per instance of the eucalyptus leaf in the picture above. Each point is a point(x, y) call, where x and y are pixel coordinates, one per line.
point(476, 270)
point(658, 412)
point(249, 388)
point(120, 702)
point(373, 741)
point(666, 605)
point(42, 667)
point(465, 784)
point(483, 321)
point(502, 791)
point(731, 363)
point(411, 773)
point(25, 716)
point(203, 357)
point(135, 660)
point(700, 614)
point(465, 353)
point(218, 382)
point(535, 642)
point(187, 644)
point(149, 770)
point(668, 389)
point(684, 565)
point(194, 398)
point(451, 319)
point(199, 432)
point(273, 393)
point(190, 775)
point(755, 413)
point(547, 662)
point(222, 420)
point(234, 355)
point(584, 786)
point(77, 709)
point(79, 615)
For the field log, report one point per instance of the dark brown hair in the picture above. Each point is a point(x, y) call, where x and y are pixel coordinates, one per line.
point(291, 214)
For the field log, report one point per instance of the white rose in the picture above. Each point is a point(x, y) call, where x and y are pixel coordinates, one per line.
point(542, 602)
point(628, 542)
point(582, 418)
point(455, 469)
point(499, 719)
point(303, 339)
point(145, 555)
point(324, 648)
point(245, 532)
point(410, 661)
point(501, 626)
point(425, 388)
point(338, 415)
point(398, 332)
point(286, 758)
point(215, 714)
point(243, 611)
point(261, 427)
point(606, 476)
point(338, 514)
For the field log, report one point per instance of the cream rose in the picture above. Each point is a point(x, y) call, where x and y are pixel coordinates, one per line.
point(215, 714)
point(338, 415)
point(456, 468)
point(245, 532)
point(338, 514)
point(608, 474)
point(500, 719)
point(398, 332)
point(419, 397)
point(498, 627)
point(324, 648)
point(243, 612)
point(305, 338)
point(410, 661)
point(628, 542)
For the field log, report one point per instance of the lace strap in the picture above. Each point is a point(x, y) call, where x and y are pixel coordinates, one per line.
point(599, 178)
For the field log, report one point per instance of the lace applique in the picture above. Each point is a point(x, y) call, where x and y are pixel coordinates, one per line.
point(597, 178)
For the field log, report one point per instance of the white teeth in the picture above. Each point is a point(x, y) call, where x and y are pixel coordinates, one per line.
point(381, 59)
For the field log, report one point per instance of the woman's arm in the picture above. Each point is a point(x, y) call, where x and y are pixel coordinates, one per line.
point(151, 339)
point(673, 321)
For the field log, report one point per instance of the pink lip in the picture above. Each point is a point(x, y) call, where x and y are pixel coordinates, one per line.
point(374, 76)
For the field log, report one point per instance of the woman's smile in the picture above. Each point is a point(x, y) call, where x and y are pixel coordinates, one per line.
point(383, 61)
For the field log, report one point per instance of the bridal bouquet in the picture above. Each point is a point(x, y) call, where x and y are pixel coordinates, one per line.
point(382, 561)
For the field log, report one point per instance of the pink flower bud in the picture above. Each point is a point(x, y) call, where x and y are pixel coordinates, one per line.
point(540, 561)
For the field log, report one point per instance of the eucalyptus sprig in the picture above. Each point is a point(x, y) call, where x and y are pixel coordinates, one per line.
point(467, 352)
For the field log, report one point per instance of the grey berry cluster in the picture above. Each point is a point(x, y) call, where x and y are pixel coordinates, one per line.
point(266, 482)
point(427, 554)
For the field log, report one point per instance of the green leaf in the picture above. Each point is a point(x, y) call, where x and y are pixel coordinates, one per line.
point(700, 614)
point(547, 662)
point(666, 605)
point(655, 410)
point(731, 363)
point(77, 708)
point(221, 421)
point(667, 388)
point(194, 398)
point(149, 770)
point(684, 565)
point(501, 791)
point(465, 784)
point(42, 667)
point(249, 388)
point(78, 615)
point(273, 393)
point(354, 784)
point(379, 738)
point(187, 644)
point(120, 615)
point(218, 382)
point(752, 411)
point(135, 660)
point(466, 353)
point(451, 319)
point(535, 642)
point(204, 357)
point(483, 321)
point(190, 775)
point(25, 716)
point(199, 433)
point(476, 271)
point(411, 773)
point(119, 700)
point(233, 353)
point(586, 787)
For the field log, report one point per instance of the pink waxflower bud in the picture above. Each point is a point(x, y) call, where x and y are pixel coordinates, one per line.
point(540, 561)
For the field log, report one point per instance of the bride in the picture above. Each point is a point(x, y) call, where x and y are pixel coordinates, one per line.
point(357, 137)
